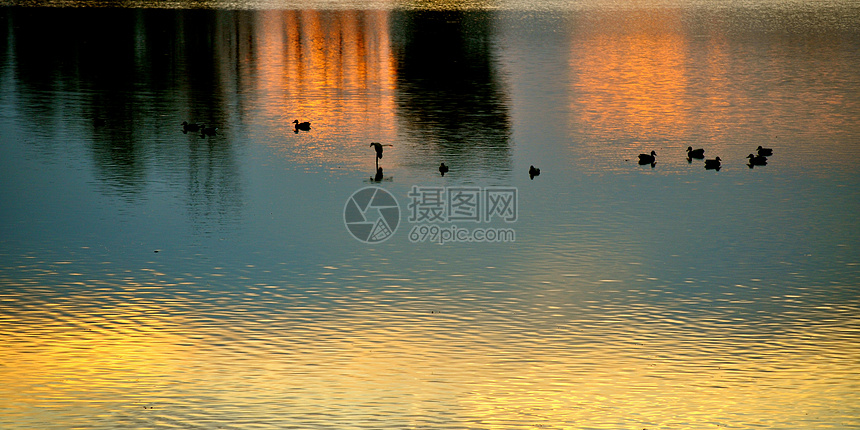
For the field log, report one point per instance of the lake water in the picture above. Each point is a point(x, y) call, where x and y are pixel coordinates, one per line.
point(152, 278)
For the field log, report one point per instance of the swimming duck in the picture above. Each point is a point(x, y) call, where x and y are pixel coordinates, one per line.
point(305, 126)
point(186, 127)
point(648, 158)
point(713, 164)
point(764, 151)
point(757, 160)
point(695, 153)
point(443, 169)
point(533, 172)
point(207, 131)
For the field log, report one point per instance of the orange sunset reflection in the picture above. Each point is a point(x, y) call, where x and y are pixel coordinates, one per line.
point(651, 80)
point(332, 69)
point(72, 355)
point(631, 84)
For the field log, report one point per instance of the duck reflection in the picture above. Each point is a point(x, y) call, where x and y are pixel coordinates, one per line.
point(449, 93)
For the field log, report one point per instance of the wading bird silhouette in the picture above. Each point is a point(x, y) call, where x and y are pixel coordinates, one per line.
point(378, 147)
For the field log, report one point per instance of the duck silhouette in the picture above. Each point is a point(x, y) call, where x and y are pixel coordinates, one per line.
point(207, 131)
point(186, 127)
point(764, 151)
point(304, 126)
point(713, 164)
point(533, 172)
point(695, 153)
point(757, 160)
point(443, 169)
point(378, 176)
point(648, 158)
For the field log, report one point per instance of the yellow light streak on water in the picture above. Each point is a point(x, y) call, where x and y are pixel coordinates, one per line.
point(198, 355)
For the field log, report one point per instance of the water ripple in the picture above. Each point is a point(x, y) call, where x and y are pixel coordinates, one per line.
point(388, 351)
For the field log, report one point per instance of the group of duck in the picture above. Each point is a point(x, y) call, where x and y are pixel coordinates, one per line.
point(757, 159)
point(195, 127)
point(533, 171)
point(211, 131)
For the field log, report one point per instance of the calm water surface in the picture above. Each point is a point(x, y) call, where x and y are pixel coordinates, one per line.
point(151, 278)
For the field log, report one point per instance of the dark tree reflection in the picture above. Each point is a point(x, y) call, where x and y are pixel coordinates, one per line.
point(122, 81)
point(449, 93)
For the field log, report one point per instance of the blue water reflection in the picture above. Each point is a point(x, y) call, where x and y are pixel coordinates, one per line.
point(155, 278)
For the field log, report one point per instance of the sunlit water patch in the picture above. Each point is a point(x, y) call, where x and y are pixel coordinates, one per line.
point(368, 345)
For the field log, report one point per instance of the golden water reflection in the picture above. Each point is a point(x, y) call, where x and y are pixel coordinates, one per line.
point(665, 79)
point(632, 82)
point(365, 352)
point(333, 69)
point(364, 76)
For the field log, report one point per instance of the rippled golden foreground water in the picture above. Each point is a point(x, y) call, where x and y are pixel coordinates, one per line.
point(356, 348)
point(151, 278)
